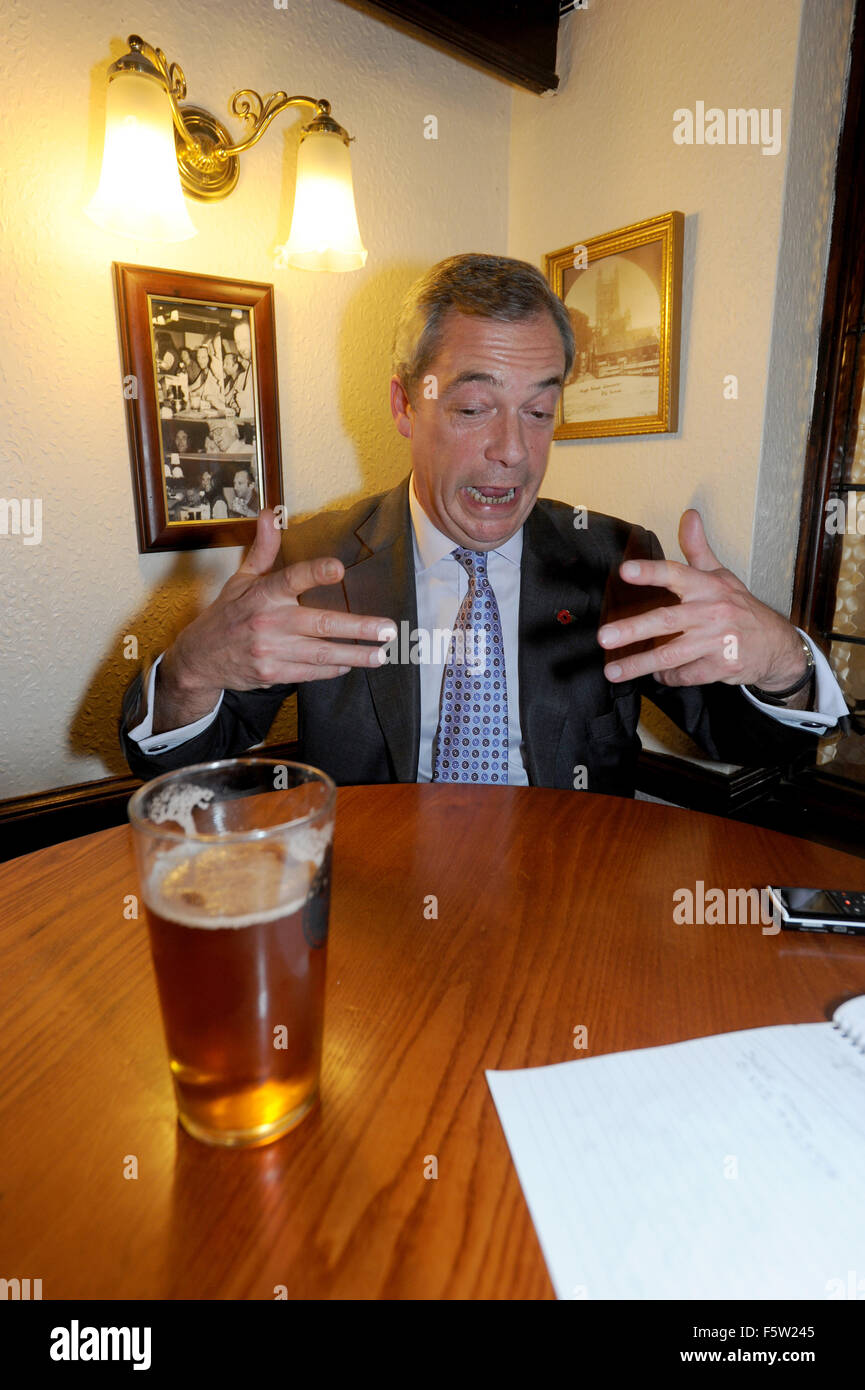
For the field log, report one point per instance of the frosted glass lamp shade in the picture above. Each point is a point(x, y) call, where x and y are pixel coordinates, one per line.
point(324, 232)
point(139, 193)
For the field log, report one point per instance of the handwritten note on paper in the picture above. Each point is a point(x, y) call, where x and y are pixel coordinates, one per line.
point(726, 1167)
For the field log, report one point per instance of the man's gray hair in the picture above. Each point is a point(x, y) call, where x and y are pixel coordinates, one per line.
point(491, 287)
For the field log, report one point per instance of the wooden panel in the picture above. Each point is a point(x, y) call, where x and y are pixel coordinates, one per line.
point(32, 822)
point(516, 41)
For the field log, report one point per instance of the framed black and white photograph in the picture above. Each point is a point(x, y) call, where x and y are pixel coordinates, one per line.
point(623, 295)
point(200, 385)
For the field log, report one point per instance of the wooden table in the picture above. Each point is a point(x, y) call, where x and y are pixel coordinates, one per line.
point(555, 909)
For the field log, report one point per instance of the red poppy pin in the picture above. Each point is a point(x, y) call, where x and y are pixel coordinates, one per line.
point(564, 616)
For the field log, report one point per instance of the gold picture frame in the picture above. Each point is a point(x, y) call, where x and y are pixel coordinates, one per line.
point(623, 292)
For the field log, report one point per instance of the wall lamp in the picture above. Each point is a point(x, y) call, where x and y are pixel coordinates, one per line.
point(155, 148)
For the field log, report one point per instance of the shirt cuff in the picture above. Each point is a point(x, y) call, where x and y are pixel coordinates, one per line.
point(163, 742)
point(831, 705)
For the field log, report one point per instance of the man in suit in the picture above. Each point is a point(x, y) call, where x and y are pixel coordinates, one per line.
point(482, 350)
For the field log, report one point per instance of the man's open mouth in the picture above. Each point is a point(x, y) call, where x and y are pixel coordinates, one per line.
point(492, 496)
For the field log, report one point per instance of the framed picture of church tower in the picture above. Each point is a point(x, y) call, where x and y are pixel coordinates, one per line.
point(623, 293)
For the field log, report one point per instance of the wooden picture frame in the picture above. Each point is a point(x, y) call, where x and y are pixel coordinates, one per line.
point(200, 383)
point(623, 292)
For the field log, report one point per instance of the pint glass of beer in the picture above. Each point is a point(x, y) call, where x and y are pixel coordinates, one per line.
point(234, 863)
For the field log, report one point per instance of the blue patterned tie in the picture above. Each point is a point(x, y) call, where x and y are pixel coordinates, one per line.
point(472, 739)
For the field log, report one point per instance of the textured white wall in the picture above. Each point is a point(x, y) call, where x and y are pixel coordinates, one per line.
point(821, 79)
point(600, 155)
point(68, 602)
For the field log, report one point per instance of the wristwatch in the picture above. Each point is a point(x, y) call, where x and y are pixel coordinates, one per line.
point(780, 697)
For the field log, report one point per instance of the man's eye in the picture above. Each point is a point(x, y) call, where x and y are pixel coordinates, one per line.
point(541, 414)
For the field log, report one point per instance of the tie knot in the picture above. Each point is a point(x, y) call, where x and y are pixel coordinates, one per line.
point(474, 562)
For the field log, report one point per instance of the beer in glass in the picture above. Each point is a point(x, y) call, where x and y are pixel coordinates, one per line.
point(234, 861)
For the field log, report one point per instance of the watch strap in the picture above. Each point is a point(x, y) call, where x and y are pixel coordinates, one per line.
point(778, 697)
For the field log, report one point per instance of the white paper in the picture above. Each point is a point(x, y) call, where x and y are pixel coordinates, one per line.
point(725, 1167)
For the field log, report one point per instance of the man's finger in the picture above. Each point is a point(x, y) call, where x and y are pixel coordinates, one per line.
point(322, 622)
point(703, 671)
point(693, 543)
point(311, 673)
point(682, 580)
point(659, 622)
point(664, 658)
point(306, 652)
point(294, 580)
point(293, 672)
point(265, 547)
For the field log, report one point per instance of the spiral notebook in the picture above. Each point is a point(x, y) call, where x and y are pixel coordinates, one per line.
point(726, 1167)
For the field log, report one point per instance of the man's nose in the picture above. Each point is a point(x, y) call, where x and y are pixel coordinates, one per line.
point(507, 444)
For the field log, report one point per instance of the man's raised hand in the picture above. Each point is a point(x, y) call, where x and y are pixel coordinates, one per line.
point(257, 634)
point(717, 632)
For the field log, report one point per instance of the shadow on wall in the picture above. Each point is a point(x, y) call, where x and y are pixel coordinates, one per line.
point(176, 601)
point(181, 596)
point(365, 343)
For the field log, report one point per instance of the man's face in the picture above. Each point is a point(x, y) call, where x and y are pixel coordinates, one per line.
point(479, 450)
point(225, 435)
point(181, 441)
point(242, 486)
point(242, 340)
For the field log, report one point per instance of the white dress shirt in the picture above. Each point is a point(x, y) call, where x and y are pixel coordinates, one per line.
point(442, 584)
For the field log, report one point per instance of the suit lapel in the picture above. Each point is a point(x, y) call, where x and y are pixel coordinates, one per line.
point(550, 647)
point(382, 582)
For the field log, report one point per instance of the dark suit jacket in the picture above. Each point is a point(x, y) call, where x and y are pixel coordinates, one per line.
point(364, 727)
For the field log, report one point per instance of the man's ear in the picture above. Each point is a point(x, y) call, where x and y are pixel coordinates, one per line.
point(401, 407)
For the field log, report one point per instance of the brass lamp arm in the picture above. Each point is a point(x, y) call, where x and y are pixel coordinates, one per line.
point(248, 106)
point(206, 155)
point(173, 78)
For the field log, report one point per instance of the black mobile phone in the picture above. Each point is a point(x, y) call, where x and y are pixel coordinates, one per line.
point(820, 909)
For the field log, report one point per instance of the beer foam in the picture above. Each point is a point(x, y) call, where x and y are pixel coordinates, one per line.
point(176, 802)
point(217, 885)
point(307, 843)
